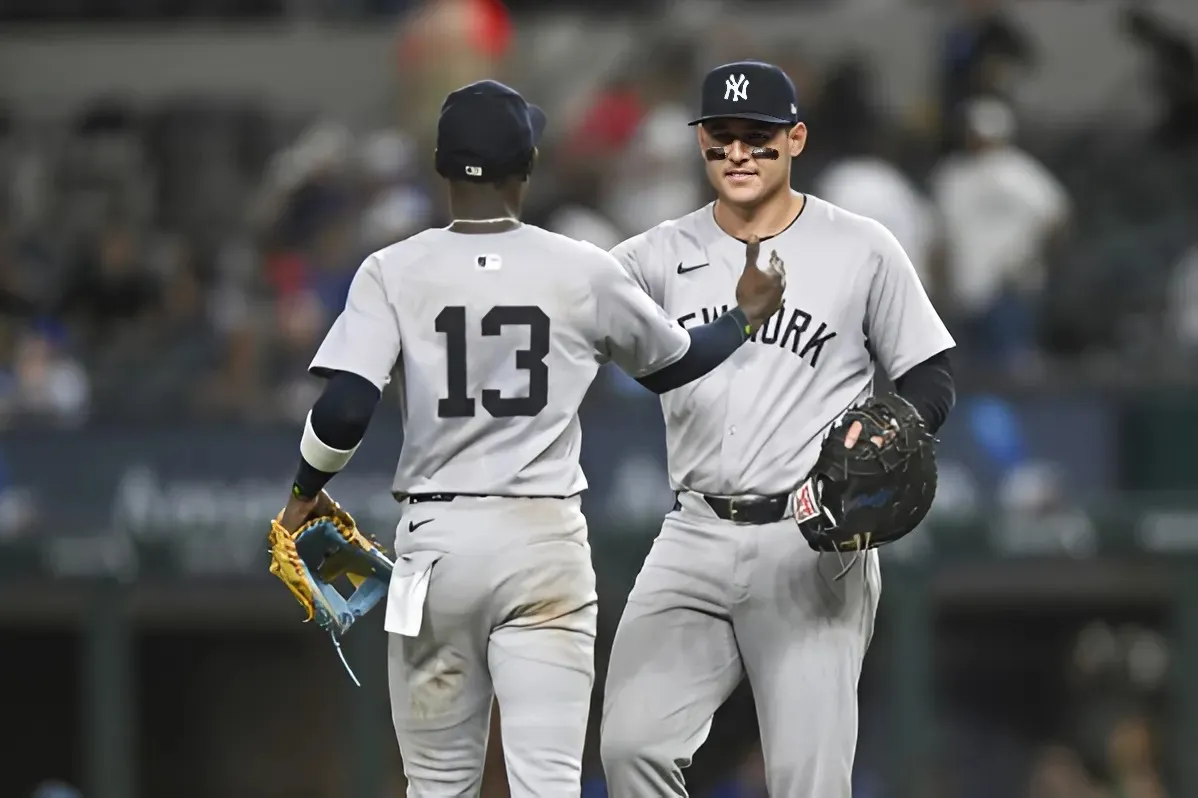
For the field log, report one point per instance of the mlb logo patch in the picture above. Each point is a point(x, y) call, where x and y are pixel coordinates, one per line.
point(806, 504)
point(488, 263)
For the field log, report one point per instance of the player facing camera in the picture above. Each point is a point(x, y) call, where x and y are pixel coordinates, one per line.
point(487, 139)
point(788, 472)
point(749, 132)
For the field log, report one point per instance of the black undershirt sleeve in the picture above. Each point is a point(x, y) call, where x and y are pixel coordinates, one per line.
point(339, 419)
point(929, 387)
point(711, 345)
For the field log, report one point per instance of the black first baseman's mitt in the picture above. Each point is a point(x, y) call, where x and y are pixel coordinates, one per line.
point(864, 497)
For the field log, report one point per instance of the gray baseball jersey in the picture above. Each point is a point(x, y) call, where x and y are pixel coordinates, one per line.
point(495, 340)
point(754, 425)
point(715, 601)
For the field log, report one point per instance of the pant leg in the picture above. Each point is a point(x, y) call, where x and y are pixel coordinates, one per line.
point(803, 637)
point(440, 685)
point(543, 679)
point(542, 662)
point(441, 708)
point(674, 661)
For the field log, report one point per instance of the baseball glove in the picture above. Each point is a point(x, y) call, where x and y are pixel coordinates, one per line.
point(324, 549)
point(870, 495)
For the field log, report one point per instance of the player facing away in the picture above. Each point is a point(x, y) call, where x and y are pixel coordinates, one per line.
point(495, 330)
point(731, 588)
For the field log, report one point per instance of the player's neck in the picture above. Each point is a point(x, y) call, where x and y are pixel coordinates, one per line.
point(766, 219)
point(488, 212)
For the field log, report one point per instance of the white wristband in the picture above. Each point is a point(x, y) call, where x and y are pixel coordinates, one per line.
point(319, 454)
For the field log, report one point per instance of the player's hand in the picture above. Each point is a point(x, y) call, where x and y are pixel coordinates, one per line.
point(759, 292)
point(300, 511)
point(850, 437)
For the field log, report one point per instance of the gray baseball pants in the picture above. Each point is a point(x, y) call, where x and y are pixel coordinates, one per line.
point(715, 602)
point(511, 614)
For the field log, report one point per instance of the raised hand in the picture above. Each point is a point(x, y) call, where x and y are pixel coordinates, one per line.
point(759, 290)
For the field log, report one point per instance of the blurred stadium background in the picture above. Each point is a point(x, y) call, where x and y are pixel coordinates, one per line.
point(188, 185)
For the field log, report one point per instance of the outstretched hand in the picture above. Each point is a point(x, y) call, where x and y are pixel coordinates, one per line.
point(759, 291)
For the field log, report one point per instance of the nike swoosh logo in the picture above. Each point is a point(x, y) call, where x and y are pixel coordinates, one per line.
point(684, 269)
point(414, 525)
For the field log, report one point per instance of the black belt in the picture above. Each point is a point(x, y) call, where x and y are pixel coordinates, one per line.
point(747, 509)
point(433, 497)
point(418, 498)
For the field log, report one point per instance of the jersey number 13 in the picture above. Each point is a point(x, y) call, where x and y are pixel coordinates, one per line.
point(451, 321)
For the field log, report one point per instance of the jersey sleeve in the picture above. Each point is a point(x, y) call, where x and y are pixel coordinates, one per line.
point(364, 339)
point(902, 327)
point(631, 330)
point(630, 255)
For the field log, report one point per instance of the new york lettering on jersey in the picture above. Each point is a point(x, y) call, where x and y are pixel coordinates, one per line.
point(852, 299)
point(494, 340)
point(789, 328)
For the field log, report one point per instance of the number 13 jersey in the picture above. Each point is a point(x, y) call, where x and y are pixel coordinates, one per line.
point(494, 340)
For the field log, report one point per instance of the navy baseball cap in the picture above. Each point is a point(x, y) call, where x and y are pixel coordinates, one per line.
point(486, 132)
point(749, 90)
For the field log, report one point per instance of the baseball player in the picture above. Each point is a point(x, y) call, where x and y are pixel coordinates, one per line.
point(730, 588)
point(496, 330)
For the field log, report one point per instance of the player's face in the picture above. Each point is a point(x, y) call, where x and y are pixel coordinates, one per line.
point(742, 177)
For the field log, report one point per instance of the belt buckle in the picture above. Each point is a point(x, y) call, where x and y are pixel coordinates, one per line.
point(732, 510)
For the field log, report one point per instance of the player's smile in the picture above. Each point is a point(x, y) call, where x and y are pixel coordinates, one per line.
point(739, 176)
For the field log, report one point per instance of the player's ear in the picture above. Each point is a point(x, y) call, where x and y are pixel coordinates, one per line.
point(532, 162)
point(797, 139)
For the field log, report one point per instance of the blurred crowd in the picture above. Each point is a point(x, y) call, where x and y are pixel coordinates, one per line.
point(182, 259)
point(186, 258)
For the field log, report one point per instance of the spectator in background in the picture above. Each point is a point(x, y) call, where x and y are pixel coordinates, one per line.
point(163, 370)
point(984, 53)
point(301, 321)
point(863, 180)
point(43, 383)
point(110, 294)
point(1003, 214)
point(606, 128)
point(817, 109)
point(576, 211)
point(312, 203)
point(1113, 672)
point(444, 45)
point(658, 178)
point(304, 185)
point(1173, 65)
point(242, 316)
point(396, 204)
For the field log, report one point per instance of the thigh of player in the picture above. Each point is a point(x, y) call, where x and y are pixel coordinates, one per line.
point(803, 635)
point(440, 685)
point(541, 655)
point(674, 660)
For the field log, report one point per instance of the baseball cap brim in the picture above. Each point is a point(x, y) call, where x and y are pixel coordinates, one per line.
point(773, 120)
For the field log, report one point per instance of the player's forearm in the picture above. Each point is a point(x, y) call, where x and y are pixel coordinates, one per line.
point(711, 345)
point(929, 387)
point(333, 431)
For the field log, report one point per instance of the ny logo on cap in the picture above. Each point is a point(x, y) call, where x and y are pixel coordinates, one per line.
point(736, 88)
